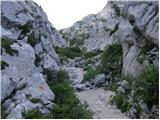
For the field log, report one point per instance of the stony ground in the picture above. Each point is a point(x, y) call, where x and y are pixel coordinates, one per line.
point(98, 101)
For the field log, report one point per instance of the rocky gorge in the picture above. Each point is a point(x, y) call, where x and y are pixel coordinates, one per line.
point(104, 66)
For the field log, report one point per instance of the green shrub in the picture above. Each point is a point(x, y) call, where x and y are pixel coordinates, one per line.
point(147, 86)
point(90, 74)
point(25, 28)
point(70, 52)
point(147, 47)
point(121, 101)
point(111, 60)
point(91, 54)
point(116, 9)
point(67, 105)
point(31, 40)
point(115, 29)
point(33, 114)
point(4, 65)
point(35, 100)
point(6, 44)
point(4, 114)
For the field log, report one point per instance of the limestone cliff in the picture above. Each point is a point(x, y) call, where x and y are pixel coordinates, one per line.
point(27, 49)
point(134, 25)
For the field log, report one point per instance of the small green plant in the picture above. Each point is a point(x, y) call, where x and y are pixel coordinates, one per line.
point(116, 9)
point(4, 65)
point(31, 40)
point(25, 28)
point(33, 114)
point(115, 29)
point(91, 54)
point(121, 102)
point(90, 74)
point(3, 112)
point(147, 47)
point(35, 100)
point(70, 52)
point(6, 44)
point(111, 60)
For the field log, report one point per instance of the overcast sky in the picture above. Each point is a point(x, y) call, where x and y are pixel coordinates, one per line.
point(63, 13)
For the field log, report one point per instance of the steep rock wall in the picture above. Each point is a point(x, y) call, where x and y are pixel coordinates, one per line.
point(28, 40)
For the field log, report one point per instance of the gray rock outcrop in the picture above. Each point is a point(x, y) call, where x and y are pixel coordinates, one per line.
point(28, 41)
point(134, 25)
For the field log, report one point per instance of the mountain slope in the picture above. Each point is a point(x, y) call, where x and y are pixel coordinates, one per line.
point(27, 41)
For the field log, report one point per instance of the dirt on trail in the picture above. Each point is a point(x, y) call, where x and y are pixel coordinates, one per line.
point(98, 102)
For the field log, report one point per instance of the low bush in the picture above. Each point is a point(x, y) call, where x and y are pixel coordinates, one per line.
point(4, 65)
point(111, 60)
point(33, 114)
point(6, 44)
point(67, 105)
point(35, 100)
point(115, 8)
point(25, 28)
point(91, 54)
point(144, 87)
point(121, 101)
point(147, 86)
point(4, 114)
point(31, 40)
point(70, 52)
point(147, 47)
point(115, 29)
point(90, 74)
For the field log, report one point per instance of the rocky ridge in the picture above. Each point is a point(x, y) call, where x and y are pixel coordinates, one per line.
point(28, 40)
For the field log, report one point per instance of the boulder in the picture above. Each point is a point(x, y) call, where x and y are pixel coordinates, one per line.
point(76, 74)
point(20, 80)
point(80, 87)
point(120, 91)
point(99, 79)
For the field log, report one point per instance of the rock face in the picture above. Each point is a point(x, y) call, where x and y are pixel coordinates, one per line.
point(94, 31)
point(134, 25)
point(28, 41)
point(99, 79)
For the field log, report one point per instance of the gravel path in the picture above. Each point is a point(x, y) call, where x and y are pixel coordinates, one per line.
point(98, 101)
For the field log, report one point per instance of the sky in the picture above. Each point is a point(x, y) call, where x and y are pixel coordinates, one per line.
point(63, 13)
